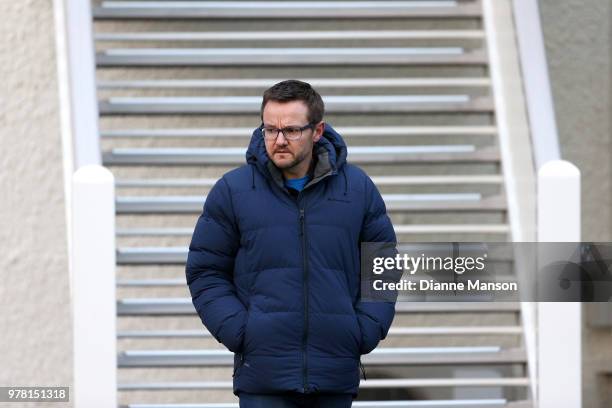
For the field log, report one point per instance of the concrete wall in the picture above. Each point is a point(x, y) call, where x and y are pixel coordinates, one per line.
point(577, 37)
point(35, 322)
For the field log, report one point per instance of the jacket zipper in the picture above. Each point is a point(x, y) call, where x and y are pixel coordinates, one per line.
point(305, 283)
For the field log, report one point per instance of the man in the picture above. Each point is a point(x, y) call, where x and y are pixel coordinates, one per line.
point(274, 261)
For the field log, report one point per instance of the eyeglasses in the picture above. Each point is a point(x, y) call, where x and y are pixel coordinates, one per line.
point(290, 133)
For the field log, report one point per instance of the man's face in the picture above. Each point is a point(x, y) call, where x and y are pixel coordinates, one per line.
point(287, 154)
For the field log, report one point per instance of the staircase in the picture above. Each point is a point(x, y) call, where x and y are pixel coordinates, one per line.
point(408, 85)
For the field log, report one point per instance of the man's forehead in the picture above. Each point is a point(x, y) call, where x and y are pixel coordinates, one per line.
point(292, 113)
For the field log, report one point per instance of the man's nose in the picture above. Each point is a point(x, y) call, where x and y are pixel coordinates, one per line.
point(280, 139)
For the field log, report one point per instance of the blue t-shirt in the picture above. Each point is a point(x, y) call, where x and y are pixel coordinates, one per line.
point(297, 184)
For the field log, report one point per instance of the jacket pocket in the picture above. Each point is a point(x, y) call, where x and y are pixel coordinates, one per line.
point(370, 334)
point(238, 361)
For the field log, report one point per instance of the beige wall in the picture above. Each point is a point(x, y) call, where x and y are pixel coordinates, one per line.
point(35, 323)
point(577, 37)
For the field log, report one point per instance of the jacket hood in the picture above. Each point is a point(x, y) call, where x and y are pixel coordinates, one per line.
point(330, 152)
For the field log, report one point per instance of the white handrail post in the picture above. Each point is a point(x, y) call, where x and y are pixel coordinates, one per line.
point(93, 288)
point(559, 324)
point(76, 69)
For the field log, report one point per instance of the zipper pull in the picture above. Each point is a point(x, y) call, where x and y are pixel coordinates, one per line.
point(362, 370)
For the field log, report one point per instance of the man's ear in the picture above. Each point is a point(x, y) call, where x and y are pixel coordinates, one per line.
point(319, 129)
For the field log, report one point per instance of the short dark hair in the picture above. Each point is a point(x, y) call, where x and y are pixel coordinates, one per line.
point(295, 90)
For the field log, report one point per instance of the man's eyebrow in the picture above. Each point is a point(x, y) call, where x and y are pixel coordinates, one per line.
point(288, 126)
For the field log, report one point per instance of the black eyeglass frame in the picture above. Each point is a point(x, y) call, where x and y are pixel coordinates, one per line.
point(310, 125)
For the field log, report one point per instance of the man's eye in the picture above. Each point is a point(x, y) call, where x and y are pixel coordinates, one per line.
point(292, 130)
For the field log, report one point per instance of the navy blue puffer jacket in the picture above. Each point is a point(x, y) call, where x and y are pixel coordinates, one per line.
point(276, 279)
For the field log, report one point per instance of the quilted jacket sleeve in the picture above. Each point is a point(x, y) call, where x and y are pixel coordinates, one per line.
point(375, 318)
point(209, 269)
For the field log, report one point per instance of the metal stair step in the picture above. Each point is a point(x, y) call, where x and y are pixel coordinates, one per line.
point(275, 10)
point(178, 255)
point(454, 307)
point(167, 255)
point(151, 255)
point(399, 229)
point(393, 331)
point(333, 104)
point(184, 306)
point(393, 202)
point(347, 131)
point(453, 228)
point(476, 403)
point(357, 154)
point(315, 82)
point(290, 56)
point(293, 35)
point(370, 383)
point(378, 180)
point(381, 356)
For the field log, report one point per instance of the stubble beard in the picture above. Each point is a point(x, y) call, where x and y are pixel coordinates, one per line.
point(295, 162)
